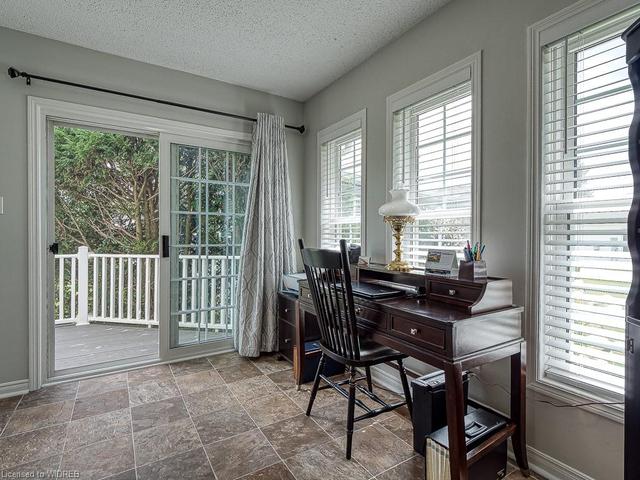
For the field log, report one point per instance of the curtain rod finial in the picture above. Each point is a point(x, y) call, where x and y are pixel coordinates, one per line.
point(13, 72)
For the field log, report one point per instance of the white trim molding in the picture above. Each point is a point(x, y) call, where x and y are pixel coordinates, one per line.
point(469, 68)
point(562, 23)
point(549, 467)
point(353, 122)
point(40, 112)
point(11, 389)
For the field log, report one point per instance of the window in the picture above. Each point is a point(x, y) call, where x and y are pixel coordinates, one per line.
point(434, 154)
point(341, 182)
point(586, 190)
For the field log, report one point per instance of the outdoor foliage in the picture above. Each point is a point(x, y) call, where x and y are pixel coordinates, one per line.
point(106, 194)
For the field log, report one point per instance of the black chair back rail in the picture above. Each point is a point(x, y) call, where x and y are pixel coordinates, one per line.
point(330, 285)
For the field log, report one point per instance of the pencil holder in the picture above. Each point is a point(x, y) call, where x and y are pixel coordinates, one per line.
point(475, 270)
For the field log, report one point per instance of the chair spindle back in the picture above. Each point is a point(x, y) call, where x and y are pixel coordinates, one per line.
point(330, 284)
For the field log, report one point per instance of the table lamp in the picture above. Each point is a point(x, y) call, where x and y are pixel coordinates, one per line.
point(398, 213)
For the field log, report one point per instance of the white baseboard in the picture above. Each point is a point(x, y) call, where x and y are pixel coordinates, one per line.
point(17, 387)
point(386, 379)
point(550, 468)
point(539, 462)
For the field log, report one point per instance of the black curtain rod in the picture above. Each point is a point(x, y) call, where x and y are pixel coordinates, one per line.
point(15, 73)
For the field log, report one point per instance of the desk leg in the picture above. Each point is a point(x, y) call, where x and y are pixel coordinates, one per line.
point(455, 421)
point(519, 410)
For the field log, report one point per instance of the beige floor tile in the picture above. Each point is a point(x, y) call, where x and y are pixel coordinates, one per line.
point(28, 447)
point(377, 449)
point(32, 418)
point(98, 428)
point(101, 459)
point(153, 444)
point(240, 455)
point(173, 468)
point(222, 424)
point(107, 383)
point(323, 461)
point(216, 398)
point(159, 413)
point(52, 394)
point(271, 408)
point(198, 382)
point(294, 435)
point(278, 471)
point(100, 403)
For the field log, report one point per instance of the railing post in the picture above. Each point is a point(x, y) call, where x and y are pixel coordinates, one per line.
point(83, 286)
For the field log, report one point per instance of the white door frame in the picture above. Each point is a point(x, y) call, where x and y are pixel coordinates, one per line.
point(40, 112)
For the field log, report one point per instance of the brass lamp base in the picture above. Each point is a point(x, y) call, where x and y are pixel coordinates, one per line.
point(397, 224)
point(400, 266)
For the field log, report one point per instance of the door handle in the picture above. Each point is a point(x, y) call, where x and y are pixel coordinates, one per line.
point(53, 248)
point(165, 246)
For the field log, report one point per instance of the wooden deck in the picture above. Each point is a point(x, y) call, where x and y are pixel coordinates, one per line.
point(80, 346)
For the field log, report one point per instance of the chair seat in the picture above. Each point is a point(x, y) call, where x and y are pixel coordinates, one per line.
point(371, 353)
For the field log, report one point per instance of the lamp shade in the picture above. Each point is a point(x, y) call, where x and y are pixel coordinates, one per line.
point(399, 206)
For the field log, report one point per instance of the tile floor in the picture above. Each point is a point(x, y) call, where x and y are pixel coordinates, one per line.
point(221, 418)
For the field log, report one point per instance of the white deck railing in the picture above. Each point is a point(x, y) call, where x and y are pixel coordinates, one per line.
point(117, 288)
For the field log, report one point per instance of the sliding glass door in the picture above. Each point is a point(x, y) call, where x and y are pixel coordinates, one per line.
point(208, 187)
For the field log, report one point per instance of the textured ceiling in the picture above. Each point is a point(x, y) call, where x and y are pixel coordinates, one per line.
point(292, 48)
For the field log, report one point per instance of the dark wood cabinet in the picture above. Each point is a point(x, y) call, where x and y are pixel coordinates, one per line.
point(287, 319)
point(298, 327)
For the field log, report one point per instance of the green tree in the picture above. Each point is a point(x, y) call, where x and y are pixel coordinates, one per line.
point(106, 191)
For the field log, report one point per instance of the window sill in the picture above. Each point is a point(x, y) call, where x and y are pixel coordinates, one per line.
point(570, 395)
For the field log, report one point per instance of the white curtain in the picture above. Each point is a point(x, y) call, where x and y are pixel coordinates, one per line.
point(268, 243)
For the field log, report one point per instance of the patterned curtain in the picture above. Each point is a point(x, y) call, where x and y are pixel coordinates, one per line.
point(268, 244)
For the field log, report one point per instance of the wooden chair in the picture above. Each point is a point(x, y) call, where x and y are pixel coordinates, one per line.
point(330, 284)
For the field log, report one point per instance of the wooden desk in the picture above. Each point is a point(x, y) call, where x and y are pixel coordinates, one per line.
point(454, 325)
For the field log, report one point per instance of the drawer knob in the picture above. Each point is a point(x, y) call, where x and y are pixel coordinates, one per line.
point(452, 292)
point(308, 295)
point(358, 310)
point(287, 340)
point(413, 331)
point(286, 310)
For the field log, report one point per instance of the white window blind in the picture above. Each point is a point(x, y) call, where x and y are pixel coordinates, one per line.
point(587, 106)
point(341, 190)
point(433, 157)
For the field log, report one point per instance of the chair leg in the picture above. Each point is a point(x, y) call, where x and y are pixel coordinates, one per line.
point(351, 409)
point(405, 387)
point(316, 383)
point(369, 382)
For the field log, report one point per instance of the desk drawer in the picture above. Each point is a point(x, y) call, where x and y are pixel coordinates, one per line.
point(287, 308)
point(369, 317)
point(305, 294)
point(418, 333)
point(453, 293)
point(286, 337)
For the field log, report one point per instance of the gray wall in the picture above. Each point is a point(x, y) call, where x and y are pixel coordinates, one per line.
point(460, 28)
point(50, 58)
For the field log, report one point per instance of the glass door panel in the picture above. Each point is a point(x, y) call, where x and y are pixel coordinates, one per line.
point(208, 199)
